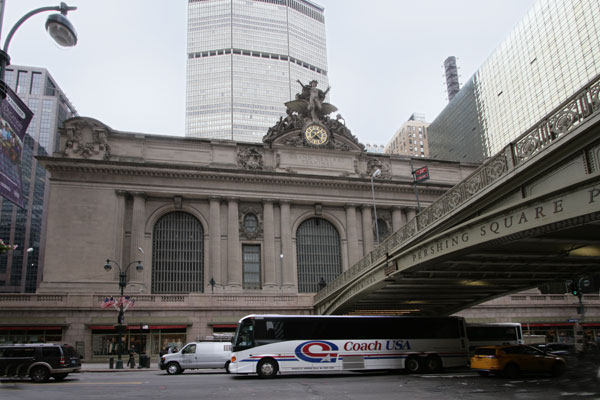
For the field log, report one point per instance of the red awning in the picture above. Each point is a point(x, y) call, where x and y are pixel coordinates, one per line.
point(136, 327)
point(225, 326)
point(28, 328)
point(559, 324)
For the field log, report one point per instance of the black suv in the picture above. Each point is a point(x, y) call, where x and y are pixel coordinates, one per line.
point(39, 361)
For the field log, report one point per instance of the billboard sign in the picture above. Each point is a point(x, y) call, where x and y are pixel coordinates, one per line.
point(15, 117)
point(421, 174)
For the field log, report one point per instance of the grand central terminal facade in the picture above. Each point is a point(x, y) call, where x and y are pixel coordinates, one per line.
point(198, 233)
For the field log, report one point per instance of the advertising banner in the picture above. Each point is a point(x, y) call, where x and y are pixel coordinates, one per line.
point(15, 117)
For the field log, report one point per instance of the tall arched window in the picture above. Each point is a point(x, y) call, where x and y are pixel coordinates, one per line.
point(319, 255)
point(178, 254)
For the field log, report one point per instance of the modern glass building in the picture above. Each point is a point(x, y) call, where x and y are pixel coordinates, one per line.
point(547, 57)
point(244, 57)
point(20, 270)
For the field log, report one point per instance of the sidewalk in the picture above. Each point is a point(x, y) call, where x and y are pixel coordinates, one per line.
point(104, 367)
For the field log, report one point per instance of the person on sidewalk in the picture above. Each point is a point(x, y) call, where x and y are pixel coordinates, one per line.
point(131, 362)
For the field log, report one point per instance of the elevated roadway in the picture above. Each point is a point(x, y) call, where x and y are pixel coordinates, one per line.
point(528, 216)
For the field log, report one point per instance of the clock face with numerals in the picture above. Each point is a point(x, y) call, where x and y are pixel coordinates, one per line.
point(315, 134)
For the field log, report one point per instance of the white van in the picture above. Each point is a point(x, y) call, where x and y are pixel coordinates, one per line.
point(197, 355)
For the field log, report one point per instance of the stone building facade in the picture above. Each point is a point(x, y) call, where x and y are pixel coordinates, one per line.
point(226, 229)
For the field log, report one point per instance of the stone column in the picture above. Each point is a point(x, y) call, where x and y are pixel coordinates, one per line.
point(270, 262)
point(354, 253)
point(286, 244)
point(119, 233)
point(410, 213)
point(234, 253)
point(398, 219)
point(138, 223)
point(138, 220)
point(214, 233)
point(367, 227)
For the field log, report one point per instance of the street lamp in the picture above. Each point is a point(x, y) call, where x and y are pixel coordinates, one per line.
point(375, 174)
point(120, 327)
point(57, 25)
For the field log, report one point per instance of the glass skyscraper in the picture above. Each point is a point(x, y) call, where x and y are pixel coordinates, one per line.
point(20, 270)
point(550, 54)
point(244, 57)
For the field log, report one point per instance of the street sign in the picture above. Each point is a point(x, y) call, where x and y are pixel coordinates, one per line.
point(421, 174)
point(573, 320)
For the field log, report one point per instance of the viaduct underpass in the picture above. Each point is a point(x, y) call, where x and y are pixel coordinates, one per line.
point(529, 215)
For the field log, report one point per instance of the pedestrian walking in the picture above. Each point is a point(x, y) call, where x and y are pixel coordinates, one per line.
point(131, 362)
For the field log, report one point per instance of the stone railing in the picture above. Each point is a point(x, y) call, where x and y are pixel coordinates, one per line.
point(557, 124)
point(84, 300)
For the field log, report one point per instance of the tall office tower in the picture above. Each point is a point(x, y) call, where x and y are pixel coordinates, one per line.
point(451, 72)
point(548, 56)
point(244, 57)
point(20, 270)
point(411, 138)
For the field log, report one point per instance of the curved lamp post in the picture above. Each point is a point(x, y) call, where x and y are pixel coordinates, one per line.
point(375, 174)
point(120, 327)
point(57, 25)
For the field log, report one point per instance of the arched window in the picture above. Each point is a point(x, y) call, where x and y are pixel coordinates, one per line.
point(178, 254)
point(319, 254)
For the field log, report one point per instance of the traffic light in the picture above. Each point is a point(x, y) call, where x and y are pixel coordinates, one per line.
point(575, 289)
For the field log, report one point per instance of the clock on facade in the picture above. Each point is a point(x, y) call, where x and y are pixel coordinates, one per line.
point(316, 134)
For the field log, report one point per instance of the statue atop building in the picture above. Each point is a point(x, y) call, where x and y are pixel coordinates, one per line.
point(307, 123)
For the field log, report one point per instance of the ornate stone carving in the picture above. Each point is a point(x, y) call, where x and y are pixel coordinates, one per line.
point(249, 158)
point(374, 164)
point(251, 221)
point(86, 138)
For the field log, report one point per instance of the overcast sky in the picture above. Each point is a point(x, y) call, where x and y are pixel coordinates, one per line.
point(385, 57)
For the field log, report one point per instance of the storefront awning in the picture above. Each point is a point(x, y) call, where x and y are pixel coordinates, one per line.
point(137, 327)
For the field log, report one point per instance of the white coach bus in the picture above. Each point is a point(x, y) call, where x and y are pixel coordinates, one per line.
point(268, 344)
point(494, 334)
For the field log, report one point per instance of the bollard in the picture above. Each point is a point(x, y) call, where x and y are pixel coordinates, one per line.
point(111, 362)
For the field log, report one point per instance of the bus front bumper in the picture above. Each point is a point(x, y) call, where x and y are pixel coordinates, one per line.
point(242, 368)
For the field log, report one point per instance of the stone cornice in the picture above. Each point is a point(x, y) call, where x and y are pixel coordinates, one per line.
point(59, 164)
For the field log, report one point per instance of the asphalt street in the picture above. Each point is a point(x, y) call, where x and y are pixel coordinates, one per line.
point(209, 384)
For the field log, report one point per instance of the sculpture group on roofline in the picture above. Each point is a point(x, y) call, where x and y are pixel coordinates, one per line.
point(309, 106)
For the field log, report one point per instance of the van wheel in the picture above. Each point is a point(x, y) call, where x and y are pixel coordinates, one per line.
point(59, 377)
point(512, 371)
point(173, 368)
point(267, 368)
point(433, 364)
point(227, 367)
point(412, 365)
point(40, 374)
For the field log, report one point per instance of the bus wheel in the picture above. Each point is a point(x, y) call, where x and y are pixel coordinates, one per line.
point(267, 368)
point(227, 367)
point(433, 364)
point(412, 365)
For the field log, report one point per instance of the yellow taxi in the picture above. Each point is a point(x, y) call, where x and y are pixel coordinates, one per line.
point(512, 360)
